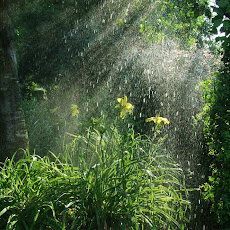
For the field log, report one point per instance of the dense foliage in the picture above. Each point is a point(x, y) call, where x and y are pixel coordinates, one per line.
point(180, 20)
point(217, 123)
point(88, 52)
point(51, 21)
point(103, 180)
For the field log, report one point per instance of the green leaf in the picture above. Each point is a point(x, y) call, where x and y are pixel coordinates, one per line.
point(222, 3)
point(226, 24)
point(11, 222)
point(221, 39)
point(219, 12)
point(4, 210)
point(35, 219)
point(217, 22)
point(228, 9)
point(214, 30)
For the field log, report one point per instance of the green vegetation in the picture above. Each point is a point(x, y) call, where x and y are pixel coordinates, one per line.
point(217, 124)
point(102, 180)
point(119, 171)
point(179, 20)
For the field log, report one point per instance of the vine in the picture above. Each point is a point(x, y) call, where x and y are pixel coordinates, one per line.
point(217, 122)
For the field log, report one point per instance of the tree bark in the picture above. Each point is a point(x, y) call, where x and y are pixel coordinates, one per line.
point(13, 133)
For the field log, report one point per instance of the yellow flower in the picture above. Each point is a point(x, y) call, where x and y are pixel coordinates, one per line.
point(125, 107)
point(158, 120)
point(75, 110)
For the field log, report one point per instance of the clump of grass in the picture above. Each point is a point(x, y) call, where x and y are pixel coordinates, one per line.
point(105, 180)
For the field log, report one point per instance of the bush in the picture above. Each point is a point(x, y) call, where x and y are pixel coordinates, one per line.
point(103, 180)
point(216, 129)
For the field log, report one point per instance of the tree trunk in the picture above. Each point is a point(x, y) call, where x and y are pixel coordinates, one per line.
point(13, 133)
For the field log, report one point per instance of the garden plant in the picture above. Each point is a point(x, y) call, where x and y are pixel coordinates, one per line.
point(108, 178)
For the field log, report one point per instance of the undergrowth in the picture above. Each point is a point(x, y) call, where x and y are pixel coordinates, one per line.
point(103, 180)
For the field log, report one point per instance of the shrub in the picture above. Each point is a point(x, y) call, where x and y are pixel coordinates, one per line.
point(104, 180)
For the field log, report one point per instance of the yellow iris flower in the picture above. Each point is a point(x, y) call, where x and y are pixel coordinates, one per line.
point(125, 107)
point(158, 120)
point(75, 110)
